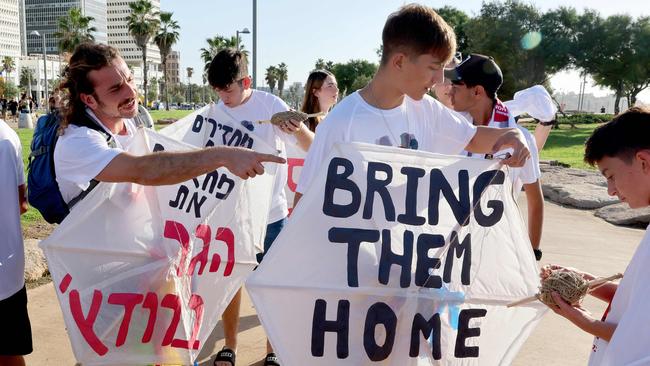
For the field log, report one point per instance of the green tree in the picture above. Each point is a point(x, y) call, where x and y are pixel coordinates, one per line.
point(604, 50)
point(8, 89)
point(166, 37)
point(153, 89)
point(347, 73)
point(216, 44)
point(322, 65)
point(458, 20)
point(271, 77)
point(282, 76)
point(26, 77)
point(518, 36)
point(8, 65)
point(637, 76)
point(143, 23)
point(73, 30)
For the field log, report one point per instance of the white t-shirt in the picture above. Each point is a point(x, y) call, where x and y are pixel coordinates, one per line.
point(82, 153)
point(422, 125)
point(12, 255)
point(502, 118)
point(630, 343)
point(261, 106)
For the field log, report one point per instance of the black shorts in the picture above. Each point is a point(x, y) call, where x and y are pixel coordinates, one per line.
point(16, 334)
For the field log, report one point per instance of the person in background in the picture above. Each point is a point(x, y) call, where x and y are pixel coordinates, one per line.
point(321, 93)
point(16, 337)
point(620, 149)
point(476, 81)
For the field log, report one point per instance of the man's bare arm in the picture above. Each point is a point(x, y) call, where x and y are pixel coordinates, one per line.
point(164, 168)
point(22, 199)
point(535, 203)
point(488, 140)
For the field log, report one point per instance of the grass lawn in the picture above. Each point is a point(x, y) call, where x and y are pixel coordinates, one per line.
point(565, 145)
point(176, 114)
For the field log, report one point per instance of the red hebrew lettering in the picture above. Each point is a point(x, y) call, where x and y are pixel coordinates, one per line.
point(196, 304)
point(293, 163)
point(65, 282)
point(151, 303)
point(173, 302)
point(226, 235)
point(129, 301)
point(175, 230)
point(85, 324)
point(204, 233)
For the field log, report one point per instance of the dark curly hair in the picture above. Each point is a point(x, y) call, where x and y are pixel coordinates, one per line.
point(85, 58)
point(622, 137)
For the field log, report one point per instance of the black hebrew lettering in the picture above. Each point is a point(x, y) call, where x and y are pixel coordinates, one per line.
point(464, 331)
point(227, 181)
point(236, 138)
point(425, 263)
point(379, 314)
point(196, 202)
point(485, 179)
point(459, 205)
point(461, 249)
point(181, 195)
point(214, 126)
point(428, 328)
point(410, 216)
point(354, 238)
point(340, 326)
point(388, 258)
point(210, 183)
point(198, 123)
point(336, 180)
point(226, 130)
point(158, 147)
point(376, 185)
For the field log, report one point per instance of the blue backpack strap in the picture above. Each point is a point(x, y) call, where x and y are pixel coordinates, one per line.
point(91, 123)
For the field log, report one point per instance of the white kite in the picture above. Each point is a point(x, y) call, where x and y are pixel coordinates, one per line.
point(144, 273)
point(399, 257)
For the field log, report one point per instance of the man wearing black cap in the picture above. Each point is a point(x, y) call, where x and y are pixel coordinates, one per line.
point(476, 81)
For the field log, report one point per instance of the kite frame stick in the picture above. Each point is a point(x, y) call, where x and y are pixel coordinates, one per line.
point(593, 284)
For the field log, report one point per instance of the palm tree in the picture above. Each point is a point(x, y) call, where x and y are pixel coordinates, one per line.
point(74, 29)
point(26, 76)
point(271, 77)
point(167, 36)
point(8, 65)
point(215, 44)
point(190, 71)
point(143, 23)
point(282, 75)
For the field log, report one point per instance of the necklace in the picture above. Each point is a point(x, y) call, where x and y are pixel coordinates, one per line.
point(407, 140)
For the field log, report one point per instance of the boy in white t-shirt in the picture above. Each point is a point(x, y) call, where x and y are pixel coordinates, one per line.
point(393, 109)
point(620, 149)
point(476, 81)
point(228, 75)
point(101, 91)
point(16, 335)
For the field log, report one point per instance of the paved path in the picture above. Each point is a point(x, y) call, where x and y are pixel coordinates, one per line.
point(571, 237)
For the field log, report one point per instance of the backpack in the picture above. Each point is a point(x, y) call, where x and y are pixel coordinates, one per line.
point(43, 190)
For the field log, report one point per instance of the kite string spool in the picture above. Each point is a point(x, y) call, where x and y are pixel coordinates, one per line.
point(571, 286)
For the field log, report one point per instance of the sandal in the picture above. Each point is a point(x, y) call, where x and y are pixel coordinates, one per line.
point(271, 360)
point(225, 355)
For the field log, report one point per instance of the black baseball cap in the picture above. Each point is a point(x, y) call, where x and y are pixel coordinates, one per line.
point(477, 70)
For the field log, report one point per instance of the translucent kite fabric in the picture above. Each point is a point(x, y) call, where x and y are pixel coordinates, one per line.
point(399, 257)
point(143, 273)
